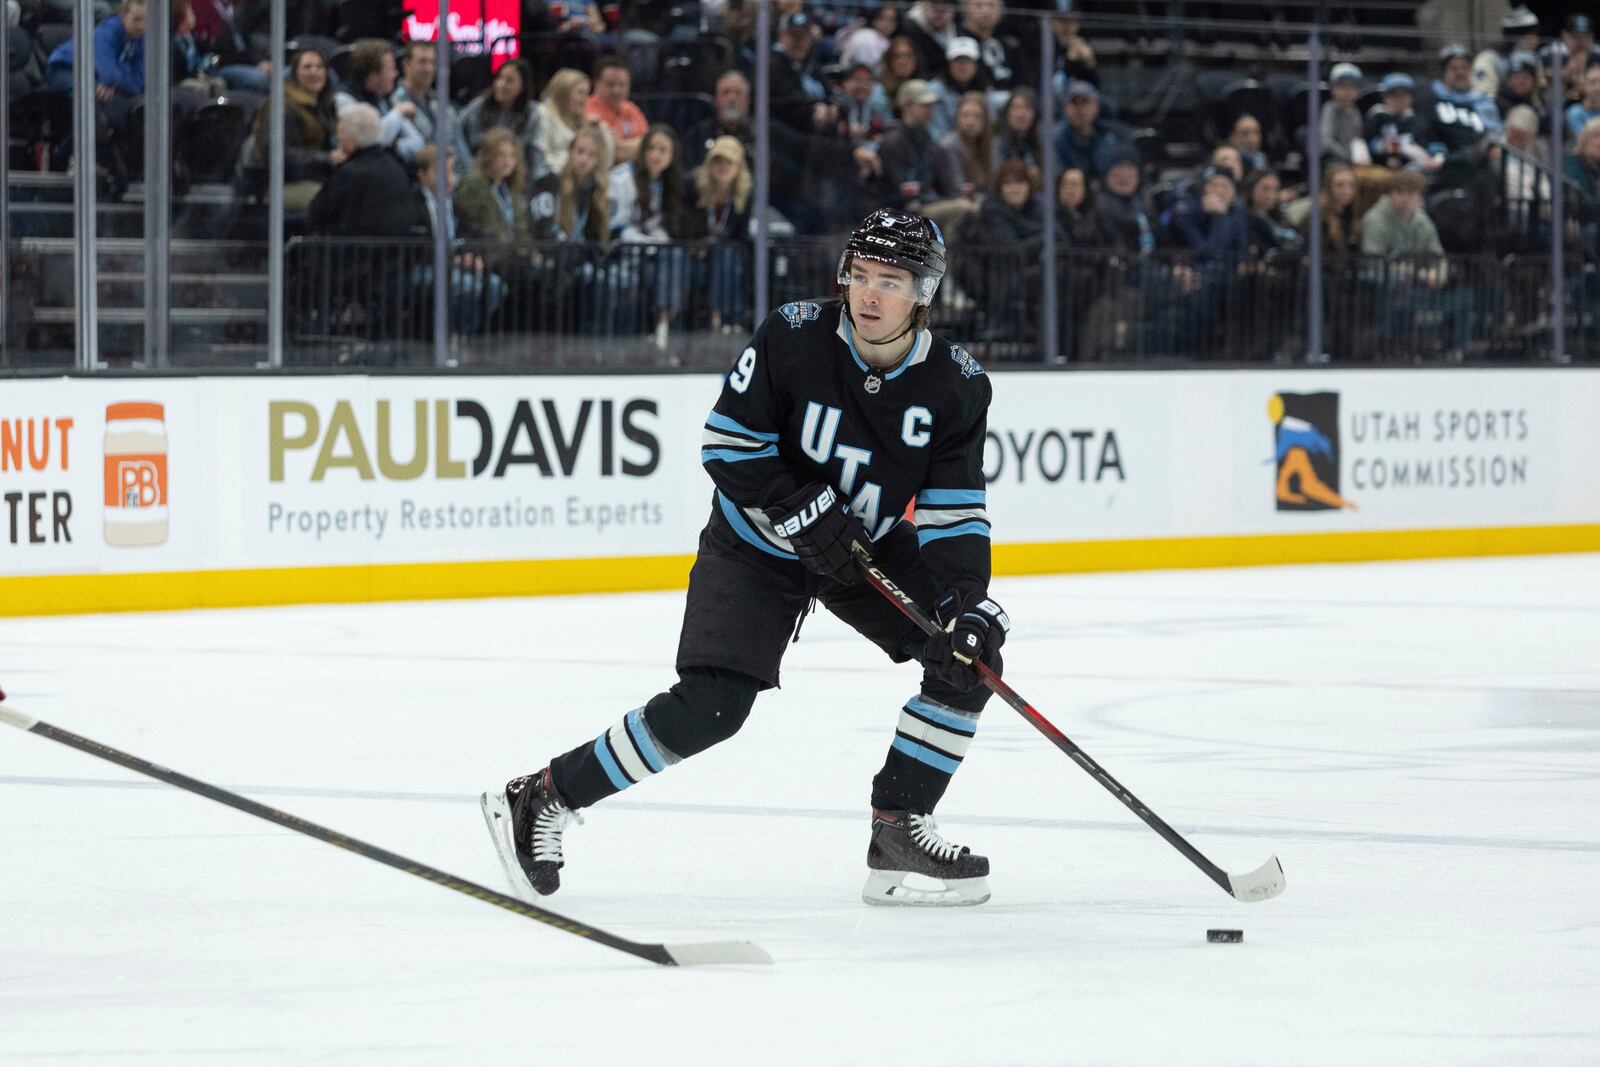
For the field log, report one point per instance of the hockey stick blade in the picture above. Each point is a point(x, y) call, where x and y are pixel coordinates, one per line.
point(696, 954)
point(1263, 883)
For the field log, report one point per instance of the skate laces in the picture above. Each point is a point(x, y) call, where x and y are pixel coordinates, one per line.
point(548, 826)
point(925, 832)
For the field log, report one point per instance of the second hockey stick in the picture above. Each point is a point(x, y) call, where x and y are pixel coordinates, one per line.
point(1263, 883)
point(684, 955)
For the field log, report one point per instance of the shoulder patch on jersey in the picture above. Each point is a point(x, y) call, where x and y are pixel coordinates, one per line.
point(964, 360)
point(800, 312)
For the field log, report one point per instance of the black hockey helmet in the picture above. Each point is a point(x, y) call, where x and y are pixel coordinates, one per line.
point(898, 239)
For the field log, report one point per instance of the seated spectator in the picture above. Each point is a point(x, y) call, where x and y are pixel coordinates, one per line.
point(1267, 229)
point(901, 63)
point(798, 97)
point(962, 75)
point(220, 32)
point(1211, 221)
point(506, 105)
point(373, 74)
point(1245, 135)
point(731, 99)
point(1017, 134)
point(1078, 225)
point(118, 63)
point(866, 111)
point(966, 155)
point(610, 107)
point(1524, 184)
point(1574, 53)
point(1459, 118)
point(492, 201)
point(1228, 158)
point(1124, 220)
point(864, 43)
point(1341, 122)
point(1075, 60)
point(648, 207)
point(1086, 140)
point(929, 27)
point(560, 116)
point(310, 124)
point(1520, 86)
point(912, 178)
point(1336, 214)
point(1582, 167)
point(1397, 225)
point(369, 194)
point(1519, 29)
point(475, 293)
point(980, 20)
point(720, 215)
point(573, 204)
point(1396, 135)
point(416, 91)
point(1588, 106)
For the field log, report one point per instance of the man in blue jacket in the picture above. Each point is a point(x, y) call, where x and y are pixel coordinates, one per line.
point(118, 62)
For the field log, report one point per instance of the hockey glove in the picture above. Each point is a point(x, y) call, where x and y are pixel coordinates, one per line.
point(821, 531)
point(973, 627)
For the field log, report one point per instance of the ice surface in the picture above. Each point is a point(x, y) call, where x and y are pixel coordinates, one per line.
point(1419, 742)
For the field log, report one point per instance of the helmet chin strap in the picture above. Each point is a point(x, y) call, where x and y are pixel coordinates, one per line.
point(910, 323)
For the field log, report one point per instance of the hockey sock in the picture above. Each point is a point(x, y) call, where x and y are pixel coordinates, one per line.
point(930, 741)
point(704, 707)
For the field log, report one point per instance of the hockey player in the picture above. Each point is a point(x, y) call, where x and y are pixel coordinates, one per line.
point(836, 416)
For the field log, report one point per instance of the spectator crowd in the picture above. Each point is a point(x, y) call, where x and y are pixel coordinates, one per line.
point(929, 108)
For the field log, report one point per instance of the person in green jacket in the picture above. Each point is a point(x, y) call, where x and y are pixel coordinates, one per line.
point(1416, 287)
point(492, 201)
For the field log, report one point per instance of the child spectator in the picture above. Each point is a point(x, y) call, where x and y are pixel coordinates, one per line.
point(475, 294)
point(491, 202)
point(309, 126)
point(573, 204)
point(1340, 124)
point(1393, 130)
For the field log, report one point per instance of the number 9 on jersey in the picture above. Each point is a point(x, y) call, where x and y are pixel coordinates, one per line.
point(742, 371)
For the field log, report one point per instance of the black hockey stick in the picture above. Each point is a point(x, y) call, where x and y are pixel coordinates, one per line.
point(1263, 883)
point(685, 955)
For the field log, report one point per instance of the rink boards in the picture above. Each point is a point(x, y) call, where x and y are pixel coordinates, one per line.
point(140, 493)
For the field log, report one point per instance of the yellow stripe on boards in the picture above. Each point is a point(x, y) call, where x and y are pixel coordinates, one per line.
point(65, 594)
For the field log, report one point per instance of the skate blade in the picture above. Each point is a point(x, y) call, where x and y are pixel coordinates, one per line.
point(497, 816)
point(888, 889)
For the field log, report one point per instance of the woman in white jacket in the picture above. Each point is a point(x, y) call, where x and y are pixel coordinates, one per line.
point(647, 207)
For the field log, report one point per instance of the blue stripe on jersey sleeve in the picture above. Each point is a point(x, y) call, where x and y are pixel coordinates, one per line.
point(718, 421)
point(741, 526)
point(952, 496)
point(981, 529)
point(734, 455)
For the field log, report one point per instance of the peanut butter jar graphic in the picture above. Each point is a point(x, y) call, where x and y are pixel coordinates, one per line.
point(136, 474)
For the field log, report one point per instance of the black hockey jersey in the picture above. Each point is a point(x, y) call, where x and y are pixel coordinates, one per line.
point(800, 405)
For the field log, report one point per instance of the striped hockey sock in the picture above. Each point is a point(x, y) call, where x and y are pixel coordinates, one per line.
point(629, 752)
point(929, 744)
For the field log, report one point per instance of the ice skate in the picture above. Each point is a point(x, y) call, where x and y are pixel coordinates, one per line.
point(526, 820)
point(910, 864)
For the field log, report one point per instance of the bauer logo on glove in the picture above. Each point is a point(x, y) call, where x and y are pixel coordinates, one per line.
point(810, 513)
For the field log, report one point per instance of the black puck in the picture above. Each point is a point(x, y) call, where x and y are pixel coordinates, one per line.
point(1225, 937)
